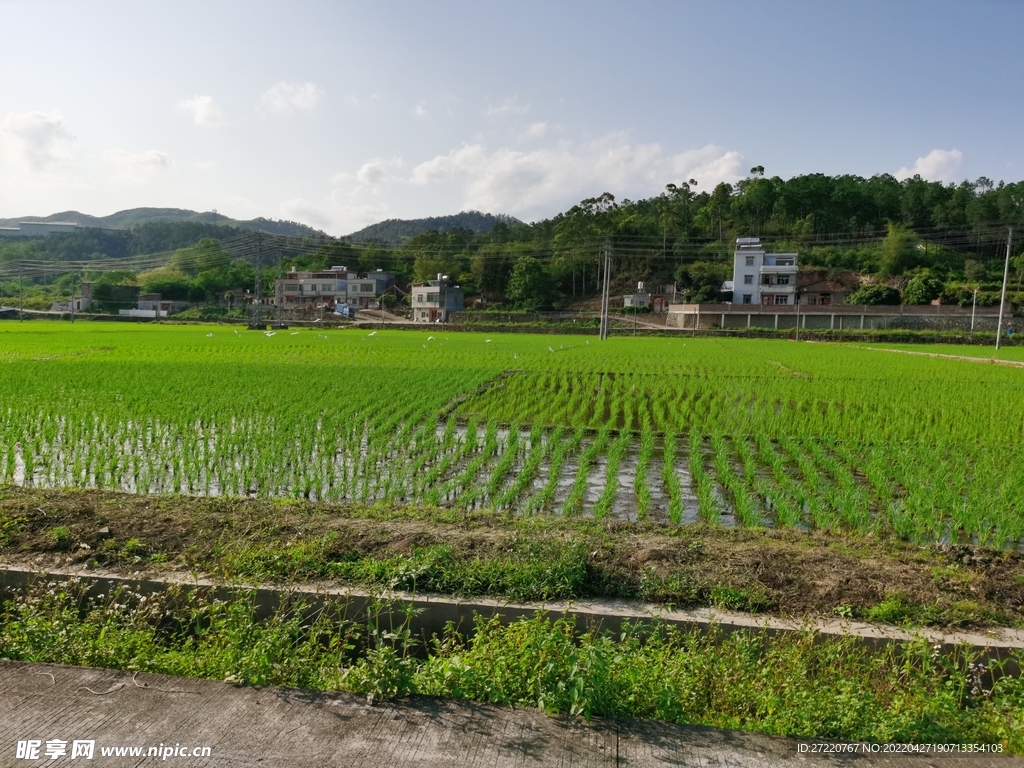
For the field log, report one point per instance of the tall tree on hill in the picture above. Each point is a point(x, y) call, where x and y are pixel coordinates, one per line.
point(754, 201)
point(900, 251)
point(529, 286)
point(718, 208)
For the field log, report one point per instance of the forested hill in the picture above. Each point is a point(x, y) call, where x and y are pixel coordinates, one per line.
point(159, 236)
point(136, 217)
point(398, 231)
point(913, 240)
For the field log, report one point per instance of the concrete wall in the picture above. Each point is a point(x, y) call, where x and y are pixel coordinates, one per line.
point(838, 317)
point(432, 613)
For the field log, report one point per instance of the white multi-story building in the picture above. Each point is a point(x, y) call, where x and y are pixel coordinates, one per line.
point(330, 288)
point(307, 290)
point(759, 277)
point(434, 299)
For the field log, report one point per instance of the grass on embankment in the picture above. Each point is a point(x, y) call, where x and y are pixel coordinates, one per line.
point(518, 558)
point(795, 685)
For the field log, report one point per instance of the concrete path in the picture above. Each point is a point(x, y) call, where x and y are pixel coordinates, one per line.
point(248, 726)
point(991, 360)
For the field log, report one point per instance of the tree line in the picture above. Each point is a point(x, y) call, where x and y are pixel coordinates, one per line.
point(946, 237)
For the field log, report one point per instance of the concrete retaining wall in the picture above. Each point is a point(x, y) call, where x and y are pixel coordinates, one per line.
point(432, 613)
point(839, 317)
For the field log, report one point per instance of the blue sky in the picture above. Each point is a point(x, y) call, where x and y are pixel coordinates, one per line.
point(342, 114)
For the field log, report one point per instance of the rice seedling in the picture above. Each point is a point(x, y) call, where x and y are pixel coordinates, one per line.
point(800, 435)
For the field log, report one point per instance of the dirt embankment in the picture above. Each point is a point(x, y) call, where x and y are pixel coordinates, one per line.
point(779, 572)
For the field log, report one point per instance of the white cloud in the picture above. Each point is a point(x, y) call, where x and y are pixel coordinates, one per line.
point(510, 181)
point(506, 108)
point(357, 198)
point(284, 98)
point(707, 165)
point(420, 110)
point(337, 214)
point(136, 167)
point(535, 130)
point(937, 165)
point(203, 110)
point(306, 212)
point(371, 176)
point(38, 141)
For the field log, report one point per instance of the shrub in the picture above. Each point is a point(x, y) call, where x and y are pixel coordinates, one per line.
point(874, 295)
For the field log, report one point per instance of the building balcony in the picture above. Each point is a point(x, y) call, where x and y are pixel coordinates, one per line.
point(771, 269)
point(777, 288)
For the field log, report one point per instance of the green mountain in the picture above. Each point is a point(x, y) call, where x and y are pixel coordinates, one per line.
point(397, 231)
point(136, 217)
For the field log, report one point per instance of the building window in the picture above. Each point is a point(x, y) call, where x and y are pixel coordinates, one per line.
point(782, 280)
point(811, 300)
point(766, 280)
point(750, 261)
point(291, 286)
point(748, 298)
point(748, 279)
point(419, 298)
point(782, 299)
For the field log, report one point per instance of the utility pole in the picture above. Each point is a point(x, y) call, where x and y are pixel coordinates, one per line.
point(1002, 299)
point(974, 308)
point(605, 294)
point(21, 294)
point(257, 314)
point(72, 300)
point(280, 277)
point(796, 296)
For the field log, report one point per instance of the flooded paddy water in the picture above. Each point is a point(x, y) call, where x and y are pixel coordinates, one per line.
point(455, 465)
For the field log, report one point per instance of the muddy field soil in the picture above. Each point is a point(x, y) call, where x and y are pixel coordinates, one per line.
point(782, 572)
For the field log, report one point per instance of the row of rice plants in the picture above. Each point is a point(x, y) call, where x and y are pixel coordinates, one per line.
point(574, 501)
point(616, 451)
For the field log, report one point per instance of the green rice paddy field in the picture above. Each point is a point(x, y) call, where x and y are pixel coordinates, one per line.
point(756, 433)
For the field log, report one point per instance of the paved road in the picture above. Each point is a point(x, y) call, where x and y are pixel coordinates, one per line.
point(248, 726)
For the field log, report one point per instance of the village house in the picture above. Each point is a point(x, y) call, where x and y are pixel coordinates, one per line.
point(433, 300)
point(313, 289)
point(330, 288)
point(82, 303)
point(761, 278)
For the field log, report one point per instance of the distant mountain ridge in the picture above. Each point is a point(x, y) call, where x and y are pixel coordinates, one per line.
point(397, 231)
point(134, 217)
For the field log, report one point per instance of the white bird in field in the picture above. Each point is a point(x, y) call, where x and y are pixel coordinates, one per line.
point(515, 356)
point(237, 333)
point(294, 333)
point(270, 333)
point(209, 335)
point(550, 349)
point(430, 338)
point(487, 341)
point(588, 343)
point(424, 346)
point(372, 334)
